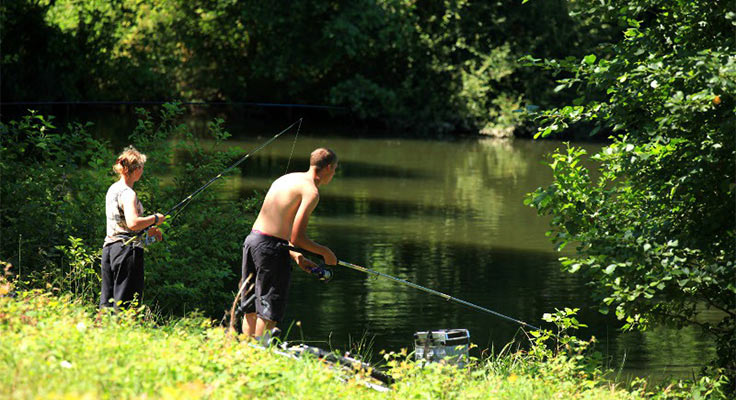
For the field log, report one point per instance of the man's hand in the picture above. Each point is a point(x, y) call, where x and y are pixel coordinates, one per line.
point(155, 232)
point(329, 256)
point(304, 263)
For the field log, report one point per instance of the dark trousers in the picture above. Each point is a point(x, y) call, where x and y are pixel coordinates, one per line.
point(122, 275)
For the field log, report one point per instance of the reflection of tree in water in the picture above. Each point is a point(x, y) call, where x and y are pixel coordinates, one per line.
point(448, 216)
point(661, 353)
point(482, 178)
point(504, 280)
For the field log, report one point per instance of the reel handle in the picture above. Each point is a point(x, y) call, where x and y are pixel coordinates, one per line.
point(323, 273)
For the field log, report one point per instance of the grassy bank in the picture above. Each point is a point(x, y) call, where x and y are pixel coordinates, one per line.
point(53, 347)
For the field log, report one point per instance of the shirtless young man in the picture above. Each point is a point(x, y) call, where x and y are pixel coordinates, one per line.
point(283, 220)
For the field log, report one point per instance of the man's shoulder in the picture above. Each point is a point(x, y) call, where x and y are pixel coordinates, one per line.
point(295, 182)
point(300, 179)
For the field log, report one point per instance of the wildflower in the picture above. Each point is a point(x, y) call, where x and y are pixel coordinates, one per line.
point(66, 364)
point(512, 378)
point(717, 100)
point(81, 327)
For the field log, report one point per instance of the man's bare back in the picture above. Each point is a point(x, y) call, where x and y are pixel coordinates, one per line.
point(283, 218)
point(289, 204)
point(282, 202)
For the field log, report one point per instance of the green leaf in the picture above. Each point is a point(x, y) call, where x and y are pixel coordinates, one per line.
point(590, 59)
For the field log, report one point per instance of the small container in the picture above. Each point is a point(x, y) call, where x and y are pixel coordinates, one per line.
point(450, 345)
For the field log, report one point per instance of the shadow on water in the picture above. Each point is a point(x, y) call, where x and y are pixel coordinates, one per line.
point(447, 215)
point(519, 284)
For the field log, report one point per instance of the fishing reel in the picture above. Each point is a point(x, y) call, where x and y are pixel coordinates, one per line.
point(323, 273)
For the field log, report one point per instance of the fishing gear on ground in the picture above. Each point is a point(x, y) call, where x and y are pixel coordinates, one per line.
point(347, 366)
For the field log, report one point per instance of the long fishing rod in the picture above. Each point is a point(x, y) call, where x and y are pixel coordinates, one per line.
point(189, 198)
point(327, 276)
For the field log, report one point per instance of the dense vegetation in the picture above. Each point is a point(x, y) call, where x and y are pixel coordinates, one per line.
point(655, 226)
point(54, 347)
point(412, 66)
point(55, 179)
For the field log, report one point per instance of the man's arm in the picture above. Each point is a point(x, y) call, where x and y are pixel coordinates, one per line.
point(299, 229)
point(303, 262)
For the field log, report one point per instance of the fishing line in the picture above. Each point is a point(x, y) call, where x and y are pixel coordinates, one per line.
point(292, 146)
point(194, 194)
point(424, 289)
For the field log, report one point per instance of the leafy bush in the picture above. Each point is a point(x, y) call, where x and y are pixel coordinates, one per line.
point(197, 264)
point(416, 67)
point(54, 347)
point(82, 279)
point(53, 190)
point(654, 226)
point(53, 187)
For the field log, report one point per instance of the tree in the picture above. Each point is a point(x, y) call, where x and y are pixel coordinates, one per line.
point(655, 226)
point(418, 67)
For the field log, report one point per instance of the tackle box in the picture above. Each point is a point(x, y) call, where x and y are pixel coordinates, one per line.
point(450, 345)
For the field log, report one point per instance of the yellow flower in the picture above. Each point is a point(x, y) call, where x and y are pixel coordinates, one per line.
point(512, 378)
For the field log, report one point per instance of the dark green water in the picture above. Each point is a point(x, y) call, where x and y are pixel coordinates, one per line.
point(447, 215)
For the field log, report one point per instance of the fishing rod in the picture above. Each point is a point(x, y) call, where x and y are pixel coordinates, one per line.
point(189, 198)
point(325, 275)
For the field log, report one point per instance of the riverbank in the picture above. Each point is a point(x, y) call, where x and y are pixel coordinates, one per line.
point(53, 347)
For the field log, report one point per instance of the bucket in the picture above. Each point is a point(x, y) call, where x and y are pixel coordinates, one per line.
point(448, 345)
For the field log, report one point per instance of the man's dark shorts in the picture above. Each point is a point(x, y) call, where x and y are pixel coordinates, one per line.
point(267, 259)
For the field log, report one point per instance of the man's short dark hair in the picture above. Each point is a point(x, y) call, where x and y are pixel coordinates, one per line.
point(322, 157)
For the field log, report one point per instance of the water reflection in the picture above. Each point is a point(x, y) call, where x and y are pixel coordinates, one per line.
point(448, 216)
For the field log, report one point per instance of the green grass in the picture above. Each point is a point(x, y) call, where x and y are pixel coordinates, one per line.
point(53, 347)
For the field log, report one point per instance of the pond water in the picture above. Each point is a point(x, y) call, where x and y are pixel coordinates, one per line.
point(444, 214)
point(447, 215)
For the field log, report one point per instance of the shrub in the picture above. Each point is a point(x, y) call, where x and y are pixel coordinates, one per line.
point(654, 226)
point(54, 184)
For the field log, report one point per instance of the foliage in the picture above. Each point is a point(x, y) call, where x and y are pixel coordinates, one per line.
point(565, 346)
point(53, 347)
point(569, 355)
point(54, 183)
point(654, 225)
point(411, 66)
point(82, 279)
point(197, 264)
point(37, 57)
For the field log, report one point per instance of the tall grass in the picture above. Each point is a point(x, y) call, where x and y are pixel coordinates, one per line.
point(53, 346)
